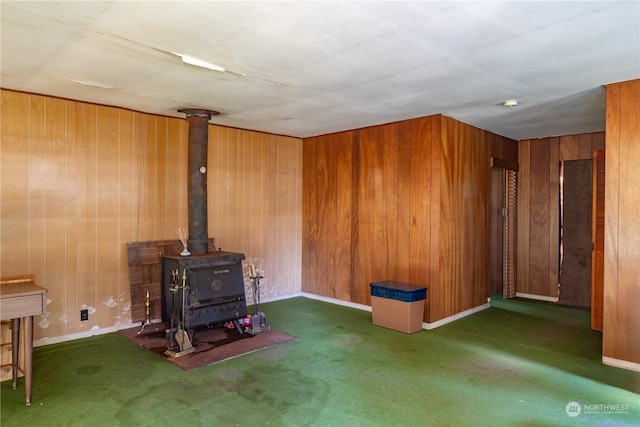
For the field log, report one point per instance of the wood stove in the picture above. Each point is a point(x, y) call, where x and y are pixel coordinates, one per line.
point(214, 293)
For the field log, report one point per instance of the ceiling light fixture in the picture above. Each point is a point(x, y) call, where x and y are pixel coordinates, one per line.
point(199, 63)
point(510, 103)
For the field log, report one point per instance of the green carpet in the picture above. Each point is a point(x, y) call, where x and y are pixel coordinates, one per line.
point(519, 363)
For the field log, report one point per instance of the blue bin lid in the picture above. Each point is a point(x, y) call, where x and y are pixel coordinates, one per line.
point(400, 291)
point(401, 286)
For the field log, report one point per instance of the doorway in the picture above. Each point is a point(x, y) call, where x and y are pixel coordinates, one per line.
point(575, 232)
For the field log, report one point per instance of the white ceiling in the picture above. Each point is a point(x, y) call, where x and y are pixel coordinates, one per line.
point(310, 68)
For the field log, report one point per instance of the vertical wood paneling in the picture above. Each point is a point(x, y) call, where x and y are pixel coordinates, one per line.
point(403, 258)
point(437, 286)
point(70, 294)
point(400, 181)
point(539, 218)
point(569, 147)
point(621, 319)
point(464, 202)
point(309, 215)
point(87, 214)
point(107, 244)
point(611, 337)
point(54, 202)
point(539, 196)
point(14, 203)
point(127, 207)
point(421, 261)
point(389, 219)
point(554, 218)
point(344, 230)
point(524, 234)
point(37, 185)
point(79, 181)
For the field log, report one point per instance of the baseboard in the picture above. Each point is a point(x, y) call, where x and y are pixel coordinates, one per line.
point(537, 297)
point(425, 325)
point(624, 364)
point(457, 316)
point(336, 301)
point(363, 307)
point(85, 334)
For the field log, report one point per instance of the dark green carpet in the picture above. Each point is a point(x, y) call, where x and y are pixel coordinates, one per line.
point(518, 363)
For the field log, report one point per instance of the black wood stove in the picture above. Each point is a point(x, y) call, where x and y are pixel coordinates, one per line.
point(214, 292)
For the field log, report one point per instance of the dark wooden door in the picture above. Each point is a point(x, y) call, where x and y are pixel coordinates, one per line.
point(575, 270)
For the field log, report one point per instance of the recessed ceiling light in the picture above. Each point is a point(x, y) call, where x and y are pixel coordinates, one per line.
point(199, 62)
point(510, 103)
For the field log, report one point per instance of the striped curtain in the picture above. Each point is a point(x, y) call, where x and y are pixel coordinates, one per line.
point(510, 235)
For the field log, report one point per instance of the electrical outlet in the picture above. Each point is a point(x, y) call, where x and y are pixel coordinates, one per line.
point(84, 315)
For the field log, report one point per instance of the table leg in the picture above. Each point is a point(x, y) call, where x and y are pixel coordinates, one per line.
point(15, 348)
point(28, 356)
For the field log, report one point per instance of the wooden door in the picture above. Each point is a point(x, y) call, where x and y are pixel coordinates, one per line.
point(597, 234)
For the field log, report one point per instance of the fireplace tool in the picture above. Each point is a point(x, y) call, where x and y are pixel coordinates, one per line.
point(258, 319)
point(178, 341)
point(147, 316)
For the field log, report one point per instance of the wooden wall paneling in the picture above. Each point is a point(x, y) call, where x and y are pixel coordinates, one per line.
point(344, 196)
point(173, 173)
point(390, 190)
point(235, 200)
point(539, 242)
point(255, 198)
point(217, 199)
point(107, 239)
point(326, 201)
point(71, 218)
point(14, 175)
point(465, 188)
point(569, 147)
point(126, 210)
point(289, 213)
point(611, 329)
point(272, 259)
point(239, 214)
point(355, 214)
point(53, 212)
point(88, 179)
point(87, 214)
point(523, 226)
point(404, 190)
point(420, 210)
point(309, 215)
point(369, 211)
point(421, 265)
point(434, 220)
point(585, 144)
point(148, 189)
point(598, 141)
point(554, 217)
point(628, 286)
point(37, 187)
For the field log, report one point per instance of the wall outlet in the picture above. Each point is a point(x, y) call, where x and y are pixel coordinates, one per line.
point(84, 315)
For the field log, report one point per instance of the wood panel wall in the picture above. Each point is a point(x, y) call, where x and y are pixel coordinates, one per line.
point(405, 201)
point(79, 181)
point(621, 316)
point(539, 207)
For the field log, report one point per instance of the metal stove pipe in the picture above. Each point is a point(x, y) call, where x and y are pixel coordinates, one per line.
point(197, 170)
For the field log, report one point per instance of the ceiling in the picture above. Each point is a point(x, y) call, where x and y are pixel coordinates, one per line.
point(310, 68)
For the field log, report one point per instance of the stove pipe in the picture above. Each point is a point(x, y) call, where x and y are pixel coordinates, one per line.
point(197, 168)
